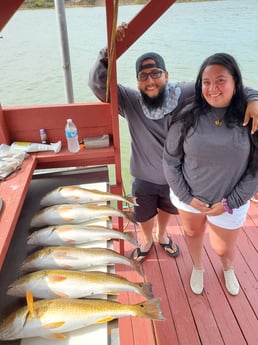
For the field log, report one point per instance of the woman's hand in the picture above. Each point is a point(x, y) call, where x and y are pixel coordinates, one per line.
point(199, 205)
point(211, 210)
point(215, 209)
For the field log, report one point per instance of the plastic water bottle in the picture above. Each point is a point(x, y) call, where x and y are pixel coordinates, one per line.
point(71, 134)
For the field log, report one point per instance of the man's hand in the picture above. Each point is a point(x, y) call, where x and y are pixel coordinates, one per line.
point(120, 32)
point(252, 112)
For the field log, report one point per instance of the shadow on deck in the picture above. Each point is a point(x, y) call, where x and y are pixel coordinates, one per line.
point(214, 317)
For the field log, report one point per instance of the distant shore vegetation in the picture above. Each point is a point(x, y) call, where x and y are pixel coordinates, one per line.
point(84, 3)
point(75, 3)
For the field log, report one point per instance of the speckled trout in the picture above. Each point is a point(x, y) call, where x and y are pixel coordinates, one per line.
point(53, 318)
point(76, 194)
point(75, 258)
point(75, 284)
point(73, 234)
point(76, 213)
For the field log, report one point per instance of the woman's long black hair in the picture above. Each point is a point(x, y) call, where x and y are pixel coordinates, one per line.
point(196, 106)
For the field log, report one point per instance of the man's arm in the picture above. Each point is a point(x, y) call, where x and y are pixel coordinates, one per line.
point(98, 73)
point(252, 112)
point(98, 76)
point(251, 109)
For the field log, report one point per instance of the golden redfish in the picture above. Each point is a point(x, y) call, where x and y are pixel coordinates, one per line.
point(52, 318)
point(76, 194)
point(76, 213)
point(75, 284)
point(75, 258)
point(75, 234)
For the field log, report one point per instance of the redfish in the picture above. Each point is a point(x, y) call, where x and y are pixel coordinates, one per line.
point(52, 318)
point(75, 284)
point(75, 258)
point(76, 213)
point(76, 234)
point(76, 194)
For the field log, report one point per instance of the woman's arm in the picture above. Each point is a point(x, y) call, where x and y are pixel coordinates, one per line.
point(172, 164)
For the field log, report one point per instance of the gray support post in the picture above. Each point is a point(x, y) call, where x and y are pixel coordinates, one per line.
point(61, 19)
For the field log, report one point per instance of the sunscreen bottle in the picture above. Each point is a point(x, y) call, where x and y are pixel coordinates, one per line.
point(36, 147)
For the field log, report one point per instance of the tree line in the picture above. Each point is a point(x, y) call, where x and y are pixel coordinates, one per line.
point(70, 3)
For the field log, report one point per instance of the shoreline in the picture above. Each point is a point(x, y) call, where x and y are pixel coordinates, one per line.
point(45, 4)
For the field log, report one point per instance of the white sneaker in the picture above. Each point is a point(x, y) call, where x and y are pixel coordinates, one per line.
point(196, 281)
point(231, 281)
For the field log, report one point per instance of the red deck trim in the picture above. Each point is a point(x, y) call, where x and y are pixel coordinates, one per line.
point(13, 192)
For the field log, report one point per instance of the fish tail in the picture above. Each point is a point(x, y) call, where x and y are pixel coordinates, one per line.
point(30, 239)
point(134, 198)
point(146, 289)
point(131, 200)
point(150, 309)
point(131, 237)
point(137, 266)
point(129, 215)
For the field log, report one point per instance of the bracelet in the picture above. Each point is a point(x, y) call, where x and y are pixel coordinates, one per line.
point(226, 207)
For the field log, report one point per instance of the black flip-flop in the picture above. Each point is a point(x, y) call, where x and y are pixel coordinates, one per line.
point(169, 245)
point(137, 253)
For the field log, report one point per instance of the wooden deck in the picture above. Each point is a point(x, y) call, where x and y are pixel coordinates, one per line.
point(215, 317)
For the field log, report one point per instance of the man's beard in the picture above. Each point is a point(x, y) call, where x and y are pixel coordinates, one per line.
point(154, 102)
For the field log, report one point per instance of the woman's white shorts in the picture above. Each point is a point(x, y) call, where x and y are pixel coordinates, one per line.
point(224, 220)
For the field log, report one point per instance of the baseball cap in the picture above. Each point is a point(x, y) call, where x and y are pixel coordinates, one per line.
point(159, 62)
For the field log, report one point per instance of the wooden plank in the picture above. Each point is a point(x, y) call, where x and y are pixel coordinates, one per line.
point(126, 335)
point(165, 330)
point(225, 328)
point(85, 157)
point(251, 224)
point(13, 192)
point(246, 263)
point(234, 314)
point(186, 306)
point(141, 329)
point(4, 133)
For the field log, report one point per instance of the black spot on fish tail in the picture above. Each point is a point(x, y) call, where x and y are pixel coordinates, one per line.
point(150, 309)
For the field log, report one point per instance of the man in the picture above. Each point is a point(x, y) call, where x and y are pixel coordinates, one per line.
point(146, 111)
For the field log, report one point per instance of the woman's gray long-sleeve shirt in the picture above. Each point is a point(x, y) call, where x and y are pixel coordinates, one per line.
point(212, 164)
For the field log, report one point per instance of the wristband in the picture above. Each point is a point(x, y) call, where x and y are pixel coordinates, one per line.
point(226, 207)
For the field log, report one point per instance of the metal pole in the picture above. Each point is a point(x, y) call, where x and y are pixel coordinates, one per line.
point(60, 13)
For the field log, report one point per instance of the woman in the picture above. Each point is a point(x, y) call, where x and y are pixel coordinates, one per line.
point(211, 162)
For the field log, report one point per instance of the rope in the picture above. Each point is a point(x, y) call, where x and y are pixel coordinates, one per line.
point(111, 55)
point(112, 48)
